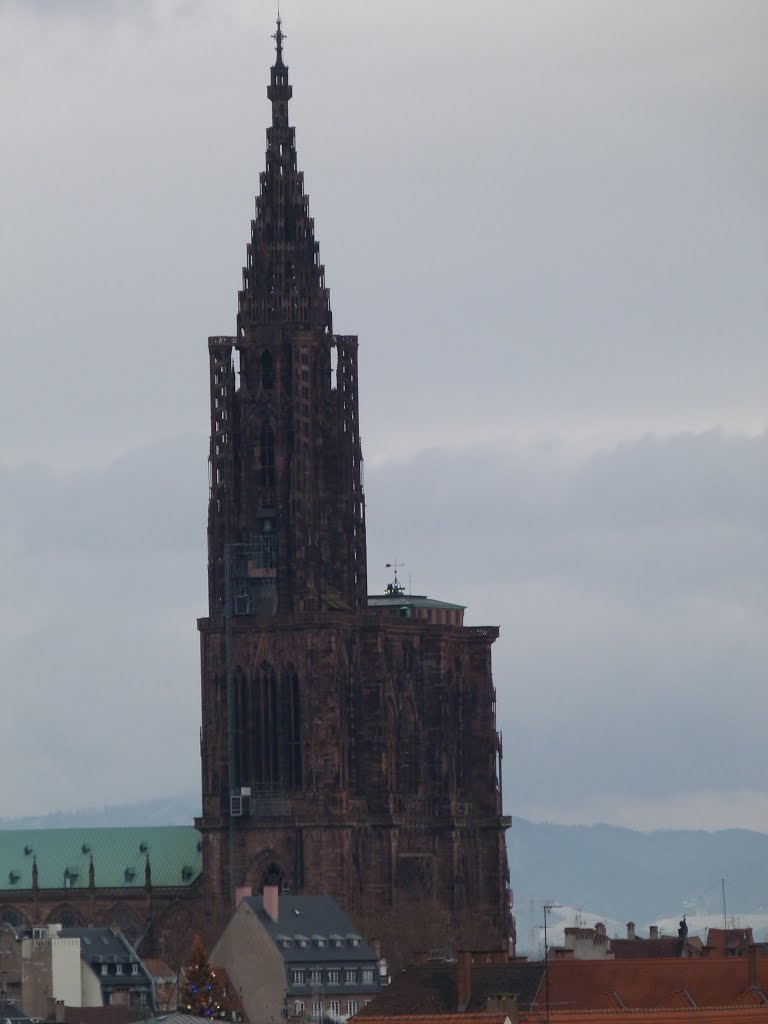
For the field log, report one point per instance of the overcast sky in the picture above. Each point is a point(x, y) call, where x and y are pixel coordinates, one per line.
point(548, 223)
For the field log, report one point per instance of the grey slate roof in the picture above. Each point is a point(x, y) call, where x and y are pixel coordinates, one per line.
point(104, 946)
point(311, 932)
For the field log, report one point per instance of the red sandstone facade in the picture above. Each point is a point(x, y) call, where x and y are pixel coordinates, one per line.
point(351, 750)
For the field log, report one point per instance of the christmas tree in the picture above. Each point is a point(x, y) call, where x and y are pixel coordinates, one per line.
point(202, 993)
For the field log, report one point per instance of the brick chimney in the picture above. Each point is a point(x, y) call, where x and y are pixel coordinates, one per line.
point(753, 952)
point(654, 932)
point(242, 892)
point(463, 978)
point(631, 930)
point(271, 896)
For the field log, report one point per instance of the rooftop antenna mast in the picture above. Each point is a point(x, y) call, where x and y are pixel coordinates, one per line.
point(549, 906)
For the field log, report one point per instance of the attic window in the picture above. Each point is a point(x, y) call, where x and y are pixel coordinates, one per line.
point(13, 877)
point(320, 942)
point(143, 847)
point(129, 874)
point(186, 873)
point(28, 850)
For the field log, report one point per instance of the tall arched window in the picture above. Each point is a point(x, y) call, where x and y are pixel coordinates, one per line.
point(409, 753)
point(267, 370)
point(267, 456)
point(290, 731)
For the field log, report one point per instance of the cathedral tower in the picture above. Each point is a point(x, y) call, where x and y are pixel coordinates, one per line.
point(348, 743)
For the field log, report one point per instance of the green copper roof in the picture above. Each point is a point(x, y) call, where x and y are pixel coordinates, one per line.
point(410, 601)
point(63, 857)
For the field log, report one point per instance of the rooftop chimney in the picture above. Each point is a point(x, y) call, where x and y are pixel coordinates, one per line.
point(631, 930)
point(654, 931)
point(271, 897)
point(463, 978)
point(753, 952)
point(242, 892)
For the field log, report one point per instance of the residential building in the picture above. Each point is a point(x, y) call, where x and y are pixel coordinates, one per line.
point(296, 957)
point(81, 967)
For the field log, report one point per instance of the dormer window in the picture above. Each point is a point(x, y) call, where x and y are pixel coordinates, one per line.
point(320, 942)
point(118, 968)
point(104, 969)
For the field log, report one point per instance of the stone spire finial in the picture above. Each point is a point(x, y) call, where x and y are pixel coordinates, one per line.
point(279, 36)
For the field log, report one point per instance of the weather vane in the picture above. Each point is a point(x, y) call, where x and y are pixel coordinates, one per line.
point(395, 587)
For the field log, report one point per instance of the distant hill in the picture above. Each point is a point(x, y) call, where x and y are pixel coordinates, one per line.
point(618, 875)
point(162, 811)
point(597, 871)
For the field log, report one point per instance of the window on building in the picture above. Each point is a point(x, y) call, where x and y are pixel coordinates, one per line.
point(350, 976)
point(333, 977)
point(104, 969)
point(134, 968)
point(316, 977)
point(118, 968)
point(367, 976)
point(298, 977)
point(267, 459)
point(333, 1007)
point(351, 1007)
point(317, 1010)
point(298, 1007)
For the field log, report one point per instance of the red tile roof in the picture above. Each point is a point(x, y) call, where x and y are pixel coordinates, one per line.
point(651, 984)
point(737, 939)
point(727, 1015)
point(441, 1018)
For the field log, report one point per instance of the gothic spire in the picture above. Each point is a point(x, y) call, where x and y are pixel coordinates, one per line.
point(283, 280)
